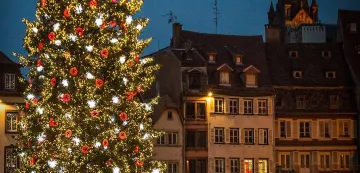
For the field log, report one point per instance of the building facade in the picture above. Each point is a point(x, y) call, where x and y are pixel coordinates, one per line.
point(315, 113)
point(10, 94)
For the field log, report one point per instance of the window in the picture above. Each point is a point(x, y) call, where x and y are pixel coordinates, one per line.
point(344, 128)
point(172, 138)
point(326, 54)
point(250, 80)
point(197, 112)
point(248, 107)
point(285, 129)
point(353, 27)
point(345, 161)
point(324, 129)
point(238, 60)
point(330, 74)
point(248, 165)
point(278, 101)
point(288, 14)
point(11, 122)
point(194, 80)
point(304, 129)
point(285, 160)
point(219, 105)
point(234, 166)
point(161, 140)
point(224, 78)
point(9, 81)
point(263, 136)
point(324, 160)
point(211, 58)
point(249, 136)
point(234, 136)
point(305, 160)
point(262, 107)
point(300, 102)
point(297, 74)
point(11, 159)
point(198, 166)
point(169, 116)
point(293, 54)
point(263, 166)
point(334, 102)
point(196, 139)
point(234, 107)
point(219, 165)
point(172, 168)
point(219, 135)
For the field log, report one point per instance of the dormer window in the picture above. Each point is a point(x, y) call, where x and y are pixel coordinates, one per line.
point(194, 81)
point(238, 60)
point(326, 54)
point(334, 102)
point(224, 78)
point(293, 54)
point(211, 58)
point(251, 76)
point(297, 74)
point(353, 27)
point(330, 74)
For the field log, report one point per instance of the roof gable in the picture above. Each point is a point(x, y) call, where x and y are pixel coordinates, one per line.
point(251, 69)
point(224, 66)
point(6, 60)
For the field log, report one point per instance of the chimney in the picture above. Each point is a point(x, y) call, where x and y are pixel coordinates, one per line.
point(176, 35)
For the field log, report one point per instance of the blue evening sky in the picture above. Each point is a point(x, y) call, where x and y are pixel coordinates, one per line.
point(240, 17)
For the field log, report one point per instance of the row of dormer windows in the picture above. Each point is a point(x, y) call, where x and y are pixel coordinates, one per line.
point(324, 54)
point(238, 59)
point(301, 102)
point(328, 74)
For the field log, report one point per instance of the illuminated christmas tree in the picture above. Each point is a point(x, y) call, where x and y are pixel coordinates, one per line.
point(82, 111)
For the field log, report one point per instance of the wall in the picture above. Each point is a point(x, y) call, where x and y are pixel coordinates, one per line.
point(313, 34)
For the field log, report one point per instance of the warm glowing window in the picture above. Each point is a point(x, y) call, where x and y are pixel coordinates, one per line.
point(263, 166)
point(238, 60)
point(211, 58)
point(219, 105)
point(11, 122)
point(248, 165)
point(250, 80)
point(224, 78)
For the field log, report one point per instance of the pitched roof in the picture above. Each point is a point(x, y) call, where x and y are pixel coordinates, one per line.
point(351, 40)
point(309, 61)
point(6, 60)
point(225, 45)
point(189, 58)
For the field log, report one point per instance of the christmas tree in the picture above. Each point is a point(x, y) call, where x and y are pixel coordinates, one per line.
point(83, 112)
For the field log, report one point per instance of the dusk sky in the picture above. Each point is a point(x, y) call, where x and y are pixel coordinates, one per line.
point(238, 17)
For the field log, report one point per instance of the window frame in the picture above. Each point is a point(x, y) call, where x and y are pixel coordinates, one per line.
point(305, 161)
point(286, 159)
point(247, 76)
point(300, 102)
point(197, 76)
point(232, 106)
point(221, 78)
point(8, 84)
point(161, 140)
point(170, 115)
point(195, 113)
point(197, 162)
point(238, 60)
point(345, 125)
point(176, 167)
point(218, 136)
point(291, 53)
point(323, 163)
point(328, 73)
point(235, 166)
point(252, 164)
point(353, 27)
point(334, 104)
point(261, 101)
point(266, 170)
point(221, 165)
point(286, 128)
point(343, 160)
point(246, 106)
point(195, 138)
point(304, 128)
point(266, 137)
point(328, 54)
point(296, 76)
point(234, 139)
point(172, 138)
point(12, 131)
point(217, 106)
point(17, 159)
point(211, 58)
point(249, 139)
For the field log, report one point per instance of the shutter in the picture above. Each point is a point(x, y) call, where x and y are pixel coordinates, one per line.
point(212, 165)
point(270, 106)
point(241, 106)
point(295, 130)
point(355, 127)
point(277, 129)
point(334, 129)
point(212, 135)
point(242, 137)
point(341, 128)
point(295, 158)
point(227, 165)
point(288, 129)
point(314, 130)
point(242, 166)
point(227, 105)
point(227, 135)
point(255, 106)
point(212, 104)
point(351, 128)
point(256, 165)
point(321, 129)
point(270, 136)
point(277, 158)
point(256, 136)
point(315, 156)
point(334, 159)
point(261, 136)
point(271, 166)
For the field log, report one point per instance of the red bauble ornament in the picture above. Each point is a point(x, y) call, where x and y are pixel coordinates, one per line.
point(52, 123)
point(28, 143)
point(105, 143)
point(137, 58)
point(66, 13)
point(123, 116)
point(108, 163)
point(79, 31)
point(94, 113)
point(92, 3)
point(41, 46)
point(122, 135)
point(112, 23)
point(139, 89)
point(103, 25)
point(35, 100)
point(99, 83)
point(31, 161)
point(66, 98)
point(114, 1)
point(123, 27)
point(38, 63)
point(43, 3)
point(68, 133)
point(130, 95)
point(104, 53)
point(51, 36)
point(85, 149)
point(27, 106)
point(73, 71)
point(136, 150)
point(53, 81)
point(139, 163)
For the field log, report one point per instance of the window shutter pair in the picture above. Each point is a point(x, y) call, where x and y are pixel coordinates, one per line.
point(314, 130)
point(227, 167)
point(227, 135)
point(227, 105)
point(334, 129)
point(270, 136)
point(241, 106)
point(255, 106)
point(295, 129)
point(212, 104)
point(341, 128)
point(334, 160)
point(351, 128)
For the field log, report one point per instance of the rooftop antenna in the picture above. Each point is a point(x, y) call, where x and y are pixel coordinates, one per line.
point(172, 17)
point(216, 12)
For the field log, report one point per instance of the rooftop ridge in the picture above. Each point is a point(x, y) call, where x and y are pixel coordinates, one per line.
point(229, 35)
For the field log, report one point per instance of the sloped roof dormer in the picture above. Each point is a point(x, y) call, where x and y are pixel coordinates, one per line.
point(224, 67)
point(251, 76)
point(251, 69)
point(236, 54)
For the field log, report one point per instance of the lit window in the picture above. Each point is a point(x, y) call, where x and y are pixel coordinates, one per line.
point(234, 136)
point(248, 107)
point(248, 165)
point(250, 80)
point(233, 106)
point(211, 58)
point(224, 78)
point(234, 166)
point(9, 81)
point(219, 103)
point(219, 135)
point(263, 166)
point(297, 74)
point(172, 168)
point(11, 122)
point(238, 60)
point(249, 136)
point(330, 74)
point(353, 27)
point(172, 138)
point(161, 140)
point(219, 165)
point(11, 160)
point(262, 106)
